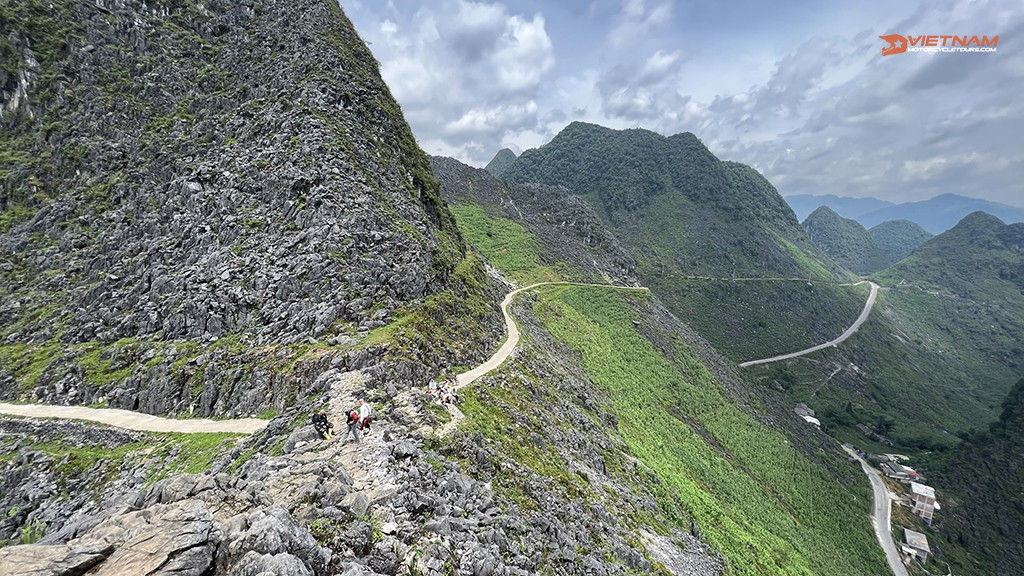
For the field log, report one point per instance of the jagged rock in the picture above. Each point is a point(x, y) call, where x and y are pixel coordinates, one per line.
point(357, 503)
point(272, 532)
point(256, 564)
point(179, 538)
point(404, 449)
point(52, 560)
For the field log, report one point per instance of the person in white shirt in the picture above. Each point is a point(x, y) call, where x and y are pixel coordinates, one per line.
point(365, 416)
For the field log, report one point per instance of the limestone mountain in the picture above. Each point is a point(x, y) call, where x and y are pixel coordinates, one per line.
point(216, 208)
point(688, 217)
point(213, 175)
point(501, 161)
point(845, 241)
point(940, 354)
point(898, 238)
point(567, 237)
point(980, 258)
point(668, 387)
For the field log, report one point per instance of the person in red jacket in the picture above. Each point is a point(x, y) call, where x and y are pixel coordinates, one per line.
point(352, 420)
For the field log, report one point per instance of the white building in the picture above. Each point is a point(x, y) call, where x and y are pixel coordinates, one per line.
point(924, 501)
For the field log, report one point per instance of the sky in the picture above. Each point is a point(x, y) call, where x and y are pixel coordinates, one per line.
point(797, 89)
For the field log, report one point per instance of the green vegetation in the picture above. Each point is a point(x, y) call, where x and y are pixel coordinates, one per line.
point(93, 466)
point(979, 487)
point(760, 503)
point(506, 244)
point(939, 353)
point(845, 241)
point(15, 214)
point(448, 324)
point(898, 238)
point(683, 213)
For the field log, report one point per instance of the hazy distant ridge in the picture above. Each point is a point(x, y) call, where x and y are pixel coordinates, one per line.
point(936, 215)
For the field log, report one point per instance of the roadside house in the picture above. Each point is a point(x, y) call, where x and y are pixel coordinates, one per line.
point(916, 545)
point(924, 501)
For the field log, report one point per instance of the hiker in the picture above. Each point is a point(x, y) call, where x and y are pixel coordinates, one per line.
point(353, 426)
point(324, 428)
point(365, 416)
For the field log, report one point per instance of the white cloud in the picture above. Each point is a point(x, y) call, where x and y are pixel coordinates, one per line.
point(636, 21)
point(494, 121)
point(524, 54)
point(799, 92)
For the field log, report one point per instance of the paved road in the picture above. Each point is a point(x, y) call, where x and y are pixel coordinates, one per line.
point(135, 420)
point(849, 332)
point(880, 516)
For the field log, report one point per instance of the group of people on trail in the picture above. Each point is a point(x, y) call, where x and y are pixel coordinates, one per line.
point(360, 418)
point(356, 420)
point(445, 392)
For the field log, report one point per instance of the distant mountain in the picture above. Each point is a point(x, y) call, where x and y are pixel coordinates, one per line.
point(688, 216)
point(845, 241)
point(897, 238)
point(501, 161)
point(941, 213)
point(804, 204)
point(980, 258)
point(980, 486)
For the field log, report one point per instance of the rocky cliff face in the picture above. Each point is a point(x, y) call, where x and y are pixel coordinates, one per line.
point(202, 173)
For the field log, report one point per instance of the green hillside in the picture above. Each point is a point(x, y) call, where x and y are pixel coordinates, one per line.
point(981, 484)
point(770, 505)
point(939, 353)
point(845, 241)
point(687, 217)
point(898, 238)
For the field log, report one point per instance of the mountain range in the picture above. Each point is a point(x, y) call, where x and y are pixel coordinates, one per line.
point(935, 215)
point(217, 210)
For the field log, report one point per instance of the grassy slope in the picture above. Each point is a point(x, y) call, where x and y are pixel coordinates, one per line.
point(508, 246)
point(979, 527)
point(759, 502)
point(940, 352)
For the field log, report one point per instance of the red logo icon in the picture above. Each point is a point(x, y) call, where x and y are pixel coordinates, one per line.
point(897, 44)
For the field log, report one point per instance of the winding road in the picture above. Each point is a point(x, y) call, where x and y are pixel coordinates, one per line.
point(842, 337)
point(513, 331)
point(880, 516)
point(507, 347)
point(149, 423)
point(145, 422)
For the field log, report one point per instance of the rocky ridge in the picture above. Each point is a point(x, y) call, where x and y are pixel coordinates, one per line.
point(195, 195)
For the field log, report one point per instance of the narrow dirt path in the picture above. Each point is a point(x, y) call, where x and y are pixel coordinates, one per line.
point(849, 332)
point(135, 420)
point(507, 347)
